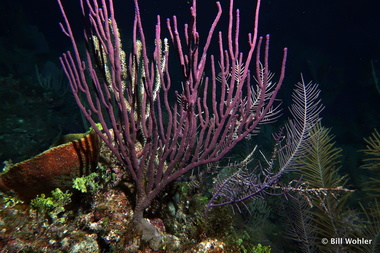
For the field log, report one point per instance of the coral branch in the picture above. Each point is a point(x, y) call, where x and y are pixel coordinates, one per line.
point(155, 138)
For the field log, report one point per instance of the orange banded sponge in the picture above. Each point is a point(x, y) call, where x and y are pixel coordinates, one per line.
point(54, 168)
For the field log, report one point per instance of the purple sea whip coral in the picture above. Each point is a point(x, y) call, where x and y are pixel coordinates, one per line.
point(157, 140)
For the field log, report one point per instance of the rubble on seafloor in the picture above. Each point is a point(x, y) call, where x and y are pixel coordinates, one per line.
point(105, 227)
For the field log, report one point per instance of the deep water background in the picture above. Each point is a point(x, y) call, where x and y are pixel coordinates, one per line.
point(330, 42)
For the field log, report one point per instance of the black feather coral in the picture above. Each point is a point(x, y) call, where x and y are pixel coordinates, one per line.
point(300, 223)
point(250, 179)
point(323, 187)
point(305, 110)
point(372, 163)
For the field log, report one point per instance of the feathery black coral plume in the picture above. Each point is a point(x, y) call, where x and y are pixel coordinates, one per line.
point(251, 179)
point(323, 187)
point(305, 110)
point(299, 223)
point(372, 163)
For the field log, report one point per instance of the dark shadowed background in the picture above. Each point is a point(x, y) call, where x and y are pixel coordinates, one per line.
point(330, 42)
